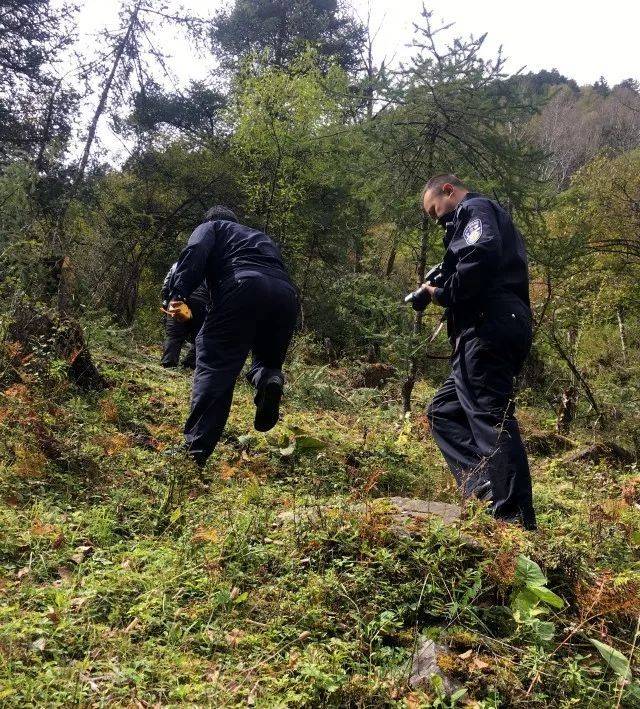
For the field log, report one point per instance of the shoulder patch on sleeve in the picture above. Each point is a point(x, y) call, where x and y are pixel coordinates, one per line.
point(473, 231)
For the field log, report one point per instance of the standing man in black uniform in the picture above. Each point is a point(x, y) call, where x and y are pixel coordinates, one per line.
point(254, 309)
point(486, 294)
point(178, 332)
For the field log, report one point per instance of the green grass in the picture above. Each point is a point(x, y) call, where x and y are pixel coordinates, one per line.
point(230, 605)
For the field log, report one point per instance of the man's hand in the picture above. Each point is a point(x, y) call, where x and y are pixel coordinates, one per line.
point(425, 295)
point(179, 310)
point(420, 299)
point(431, 290)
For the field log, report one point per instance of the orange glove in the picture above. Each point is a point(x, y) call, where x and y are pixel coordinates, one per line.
point(179, 310)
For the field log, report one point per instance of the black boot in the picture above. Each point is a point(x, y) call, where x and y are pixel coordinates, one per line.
point(482, 491)
point(527, 520)
point(267, 401)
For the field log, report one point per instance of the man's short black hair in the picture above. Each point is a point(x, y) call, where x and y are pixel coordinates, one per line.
point(219, 211)
point(442, 179)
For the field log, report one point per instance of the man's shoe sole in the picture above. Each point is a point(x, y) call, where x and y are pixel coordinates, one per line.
point(268, 407)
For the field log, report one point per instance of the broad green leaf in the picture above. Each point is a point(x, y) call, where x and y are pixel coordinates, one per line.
point(614, 658)
point(458, 694)
point(244, 440)
point(309, 443)
point(544, 630)
point(529, 573)
point(544, 594)
point(176, 514)
point(524, 602)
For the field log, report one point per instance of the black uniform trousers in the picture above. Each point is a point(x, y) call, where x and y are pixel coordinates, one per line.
point(177, 333)
point(472, 415)
point(256, 314)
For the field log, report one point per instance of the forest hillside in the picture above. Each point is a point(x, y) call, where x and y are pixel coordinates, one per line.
point(331, 561)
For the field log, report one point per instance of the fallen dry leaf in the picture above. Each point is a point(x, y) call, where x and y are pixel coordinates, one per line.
point(39, 529)
point(202, 534)
point(233, 637)
point(213, 676)
point(227, 472)
point(132, 625)
point(53, 616)
point(81, 553)
point(293, 659)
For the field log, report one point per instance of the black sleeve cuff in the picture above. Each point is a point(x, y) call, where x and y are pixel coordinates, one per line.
point(441, 297)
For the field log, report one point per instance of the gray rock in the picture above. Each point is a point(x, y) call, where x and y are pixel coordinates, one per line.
point(424, 509)
point(402, 509)
point(425, 666)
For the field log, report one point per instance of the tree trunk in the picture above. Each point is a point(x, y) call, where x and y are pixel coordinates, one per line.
point(46, 130)
point(102, 103)
point(125, 303)
point(567, 410)
point(370, 76)
point(391, 260)
point(30, 328)
point(66, 288)
point(621, 330)
point(81, 366)
point(569, 399)
point(409, 382)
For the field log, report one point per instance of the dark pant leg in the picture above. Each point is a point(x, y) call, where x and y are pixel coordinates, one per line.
point(274, 330)
point(199, 313)
point(176, 334)
point(189, 357)
point(452, 432)
point(222, 347)
point(484, 368)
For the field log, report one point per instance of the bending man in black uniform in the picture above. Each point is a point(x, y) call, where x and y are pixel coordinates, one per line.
point(254, 309)
point(486, 294)
point(178, 332)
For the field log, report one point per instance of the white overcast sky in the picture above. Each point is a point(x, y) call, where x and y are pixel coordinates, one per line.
point(583, 40)
point(581, 43)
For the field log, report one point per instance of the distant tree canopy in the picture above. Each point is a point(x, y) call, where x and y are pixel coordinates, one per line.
point(574, 127)
point(284, 28)
point(541, 82)
point(196, 111)
point(32, 34)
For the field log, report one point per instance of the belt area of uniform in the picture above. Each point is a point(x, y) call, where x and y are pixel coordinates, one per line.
point(509, 305)
point(252, 273)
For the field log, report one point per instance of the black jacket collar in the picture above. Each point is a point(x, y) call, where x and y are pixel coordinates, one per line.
point(448, 221)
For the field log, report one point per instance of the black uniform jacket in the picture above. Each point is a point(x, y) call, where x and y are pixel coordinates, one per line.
point(200, 295)
point(485, 264)
point(218, 250)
